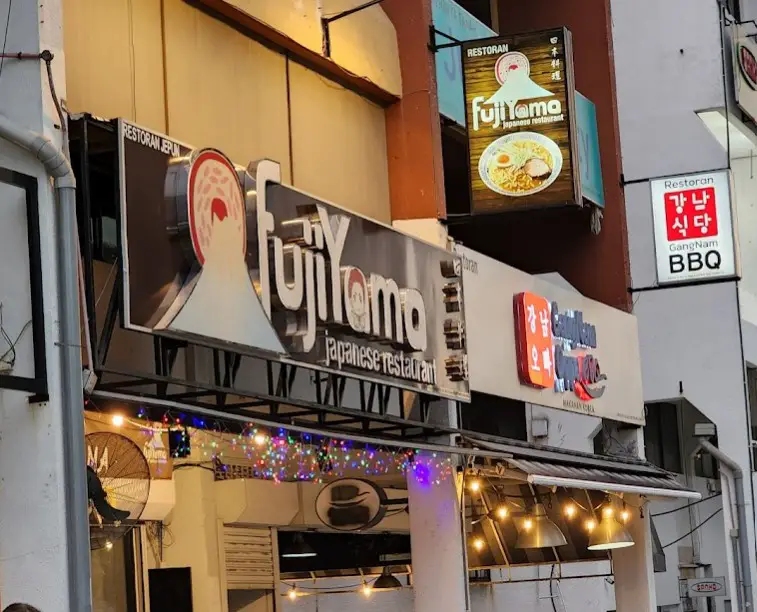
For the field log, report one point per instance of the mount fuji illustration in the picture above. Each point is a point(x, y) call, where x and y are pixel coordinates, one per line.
point(219, 300)
point(513, 72)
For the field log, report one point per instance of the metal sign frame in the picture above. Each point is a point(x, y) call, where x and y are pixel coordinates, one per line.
point(376, 410)
point(37, 384)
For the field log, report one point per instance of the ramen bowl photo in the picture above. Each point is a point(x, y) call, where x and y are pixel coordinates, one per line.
point(520, 164)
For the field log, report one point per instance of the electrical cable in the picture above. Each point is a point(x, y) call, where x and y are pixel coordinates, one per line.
point(686, 535)
point(11, 343)
point(704, 499)
point(5, 36)
point(324, 589)
point(181, 466)
point(551, 593)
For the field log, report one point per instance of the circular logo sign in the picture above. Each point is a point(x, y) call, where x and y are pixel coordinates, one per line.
point(748, 65)
point(351, 504)
point(509, 64)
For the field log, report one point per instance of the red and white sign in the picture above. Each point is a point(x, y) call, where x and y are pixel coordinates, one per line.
point(693, 223)
point(542, 343)
point(691, 213)
point(536, 351)
point(555, 349)
point(706, 587)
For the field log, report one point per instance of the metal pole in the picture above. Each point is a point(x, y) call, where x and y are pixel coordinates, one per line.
point(77, 522)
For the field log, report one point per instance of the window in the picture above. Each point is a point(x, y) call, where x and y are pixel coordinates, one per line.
point(661, 437)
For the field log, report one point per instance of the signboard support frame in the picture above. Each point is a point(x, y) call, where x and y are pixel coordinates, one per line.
point(433, 47)
point(35, 385)
point(374, 410)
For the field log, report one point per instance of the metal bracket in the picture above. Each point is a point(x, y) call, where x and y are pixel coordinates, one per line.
point(434, 47)
point(327, 21)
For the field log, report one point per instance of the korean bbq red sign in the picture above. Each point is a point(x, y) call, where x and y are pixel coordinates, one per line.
point(693, 227)
point(554, 348)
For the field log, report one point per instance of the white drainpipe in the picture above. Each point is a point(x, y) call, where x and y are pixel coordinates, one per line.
point(69, 342)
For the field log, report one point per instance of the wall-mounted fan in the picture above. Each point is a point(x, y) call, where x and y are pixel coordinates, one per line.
point(118, 483)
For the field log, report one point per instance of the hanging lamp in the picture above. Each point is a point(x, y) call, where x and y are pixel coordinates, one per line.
point(539, 531)
point(610, 533)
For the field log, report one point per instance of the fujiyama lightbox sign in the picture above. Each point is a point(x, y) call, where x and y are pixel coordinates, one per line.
point(521, 123)
point(229, 257)
point(540, 343)
point(693, 227)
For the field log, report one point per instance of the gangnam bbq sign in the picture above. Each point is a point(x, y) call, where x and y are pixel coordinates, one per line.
point(693, 228)
point(228, 256)
point(555, 348)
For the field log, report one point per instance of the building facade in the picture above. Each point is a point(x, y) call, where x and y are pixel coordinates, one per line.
point(697, 75)
point(314, 116)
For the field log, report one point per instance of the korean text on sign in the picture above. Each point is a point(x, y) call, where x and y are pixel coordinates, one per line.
point(691, 214)
point(536, 358)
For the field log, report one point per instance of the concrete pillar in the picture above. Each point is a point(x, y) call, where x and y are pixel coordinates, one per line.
point(634, 572)
point(193, 537)
point(33, 551)
point(413, 129)
point(438, 556)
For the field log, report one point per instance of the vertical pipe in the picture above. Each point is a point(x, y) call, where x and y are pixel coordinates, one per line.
point(80, 597)
point(738, 480)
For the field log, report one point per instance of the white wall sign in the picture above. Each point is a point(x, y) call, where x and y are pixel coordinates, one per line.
point(542, 344)
point(693, 227)
point(745, 72)
point(706, 587)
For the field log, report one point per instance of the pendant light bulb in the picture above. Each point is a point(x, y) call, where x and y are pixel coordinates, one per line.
point(502, 512)
point(478, 544)
point(292, 594)
point(367, 589)
point(610, 533)
point(539, 531)
point(570, 510)
point(475, 485)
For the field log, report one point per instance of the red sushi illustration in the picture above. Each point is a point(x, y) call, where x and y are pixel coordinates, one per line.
point(214, 196)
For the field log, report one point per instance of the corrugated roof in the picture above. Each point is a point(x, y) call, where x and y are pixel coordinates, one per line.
point(540, 464)
point(662, 480)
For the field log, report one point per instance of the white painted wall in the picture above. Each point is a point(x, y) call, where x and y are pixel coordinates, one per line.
point(32, 536)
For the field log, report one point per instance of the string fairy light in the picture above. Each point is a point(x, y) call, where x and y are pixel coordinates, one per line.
point(283, 456)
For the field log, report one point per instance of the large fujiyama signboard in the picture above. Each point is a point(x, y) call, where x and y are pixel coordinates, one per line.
point(543, 344)
point(521, 121)
point(227, 256)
